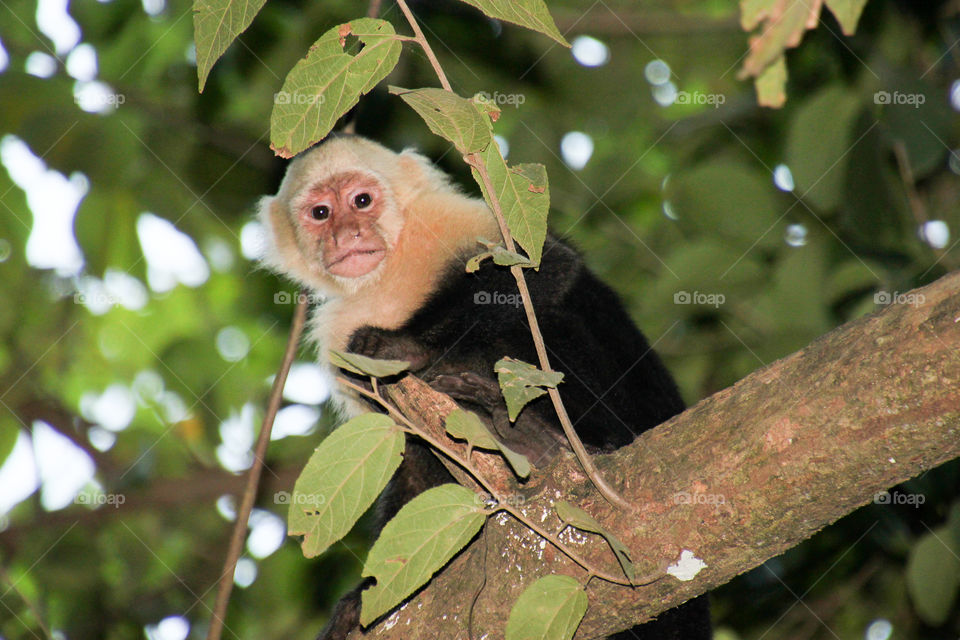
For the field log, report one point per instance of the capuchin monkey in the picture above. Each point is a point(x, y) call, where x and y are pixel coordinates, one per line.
point(384, 237)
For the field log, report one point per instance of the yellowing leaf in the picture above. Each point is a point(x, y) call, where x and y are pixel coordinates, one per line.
point(782, 25)
point(847, 13)
point(771, 85)
point(328, 82)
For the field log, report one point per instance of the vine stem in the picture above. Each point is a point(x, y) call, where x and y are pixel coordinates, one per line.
point(253, 480)
point(475, 161)
point(502, 504)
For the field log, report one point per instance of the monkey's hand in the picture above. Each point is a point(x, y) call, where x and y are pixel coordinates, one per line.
point(384, 344)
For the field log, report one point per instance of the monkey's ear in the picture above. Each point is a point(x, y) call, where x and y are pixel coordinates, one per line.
point(279, 239)
point(418, 173)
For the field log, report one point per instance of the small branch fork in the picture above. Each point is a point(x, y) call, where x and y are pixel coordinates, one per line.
point(475, 161)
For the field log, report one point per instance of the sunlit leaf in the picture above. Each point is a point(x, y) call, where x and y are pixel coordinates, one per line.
point(343, 477)
point(327, 83)
point(771, 85)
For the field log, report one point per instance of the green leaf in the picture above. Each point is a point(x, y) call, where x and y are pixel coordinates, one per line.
point(416, 543)
point(847, 13)
point(818, 145)
point(9, 433)
point(341, 480)
point(933, 575)
point(500, 257)
point(524, 196)
point(521, 382)
point(216, 24)
point(577, 517)
point(729, 201)
point(449, 116)
point(328, 82)
point(771, 85)
point(466, 425)
point(364, 366)
point(549, 609)
point(532, 14)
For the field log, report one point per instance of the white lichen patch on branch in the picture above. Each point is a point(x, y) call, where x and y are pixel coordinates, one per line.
point(687, 567)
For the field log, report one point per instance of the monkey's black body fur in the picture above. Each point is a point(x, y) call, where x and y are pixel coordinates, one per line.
point(615, 387)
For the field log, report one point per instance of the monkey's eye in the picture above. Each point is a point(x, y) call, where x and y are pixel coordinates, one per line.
point(362, 200)
point(320, 212)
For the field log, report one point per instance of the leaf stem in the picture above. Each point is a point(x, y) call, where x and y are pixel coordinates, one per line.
point(502, 504)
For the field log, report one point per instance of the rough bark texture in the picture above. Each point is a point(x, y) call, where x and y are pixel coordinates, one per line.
point(737, 479)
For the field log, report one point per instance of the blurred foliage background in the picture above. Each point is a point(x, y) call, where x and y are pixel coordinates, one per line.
point(139, 338)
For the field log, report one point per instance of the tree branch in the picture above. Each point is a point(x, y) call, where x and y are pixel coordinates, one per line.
point(737, 479)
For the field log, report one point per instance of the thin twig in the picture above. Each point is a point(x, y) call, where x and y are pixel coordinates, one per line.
point(476, 161)
point(502, 504)
point(253, 480)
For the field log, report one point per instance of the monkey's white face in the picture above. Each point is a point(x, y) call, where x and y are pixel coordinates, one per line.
point(340, 218)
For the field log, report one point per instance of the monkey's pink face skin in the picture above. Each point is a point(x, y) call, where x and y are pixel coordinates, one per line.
point(341, 215)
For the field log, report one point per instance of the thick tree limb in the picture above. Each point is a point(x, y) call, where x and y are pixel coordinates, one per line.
point(737, 479)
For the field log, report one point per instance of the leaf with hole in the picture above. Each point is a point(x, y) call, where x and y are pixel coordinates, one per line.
point(328, 82)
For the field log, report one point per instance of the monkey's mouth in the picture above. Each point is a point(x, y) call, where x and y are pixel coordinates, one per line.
point(356, 263)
